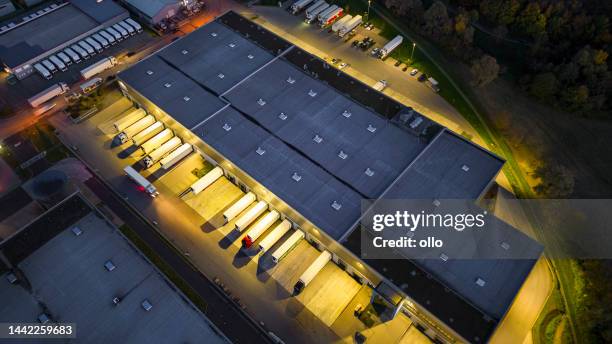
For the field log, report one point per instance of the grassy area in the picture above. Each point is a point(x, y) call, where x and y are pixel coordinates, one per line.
point(164, 267)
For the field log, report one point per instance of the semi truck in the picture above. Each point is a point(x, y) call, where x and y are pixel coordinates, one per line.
point(161, 151)
point(65, 58)
point(247, 218)
point(311, 272)
point(47, 94)
point(340, 22)
point(101, 40)
point(331, 16)
point(380, 85)
point(92, 42)
point(114, 33)
point(135, 128)
point(121, 30)
point(238, 207)
point(128, 118)
point(156, 141)
point(59, 63)
point(143, 183)
point(82, 52)
point(90, 85)
point(274, 235)
point(259, 228)
point(88, 48)
point(299, 5)
point(350, 25)
point(42, 71)
point(134, 24)
point(147, 133)
point(287, 246)
point(390, 46)
point(314, 10)
point(206, 180)
point(98, 67)
point(50, 67)
point(433, 84)
point(73, 55)
point(325, 12)
point(176, 155)
point(109, 38)
point(127, 27)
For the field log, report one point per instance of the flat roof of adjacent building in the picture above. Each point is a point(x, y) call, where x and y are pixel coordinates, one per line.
point(53, 28)
point(75, 263)
point(151, 7)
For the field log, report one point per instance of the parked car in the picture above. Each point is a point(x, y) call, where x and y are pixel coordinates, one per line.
point(405, 68)
point(335, 60)
point(343, 65)
point(398, 63)
point(414, 72)
point(422, 77)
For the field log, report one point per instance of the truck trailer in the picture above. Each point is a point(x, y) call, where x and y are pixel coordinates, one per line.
point(50, 66)
point(98, 67)
point(98, 38)
point(350, 25)
point(390, 46)
point(82, 52)
point(134, 24)
point(128, 117)
point(340, 22)
point(259, 228)
point(124, 33)
point(238, 207)
point(251, 215)
point(42, 71)
point(299, 5)
point(127, 26)
point(65, 58)
point(59, 63)
point(156, 141)
point(287, 246)
point(314, 10)
point(73, 55)
point(380, 85)
point(114, 33)
point(90, 85)
point(47, 94)
point(176, 155)
point(88, 48)
point(135, 128)
point(142, 182)
point(147, 133)
point(321, 17)
point(274, 235)
point(311, 272)
point(161, 151)
point(109, 38)
point(206, 180)
point(332, 16)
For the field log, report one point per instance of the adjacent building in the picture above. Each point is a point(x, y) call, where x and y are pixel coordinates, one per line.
point(313, 143)
point(154, 12)
point(6, 7)
point(44, 31)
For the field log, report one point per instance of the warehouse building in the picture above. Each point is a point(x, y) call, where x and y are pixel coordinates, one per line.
point(154, 12)
point(6, 7)
point(43, 32)
point(75, 267)
point(313, 143)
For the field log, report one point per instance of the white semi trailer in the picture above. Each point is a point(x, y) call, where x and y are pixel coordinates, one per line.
point(147, 133)
point(162, 151)
point(135, 128)
point(176, 156)
point(206, 180)
point(314, 10)
point(109, 38)
point(390, 46)
point(259, 228)
point(73, 55)
point(128, 27)
point(311, 272)
point(238, 207)
point(47, 94)
point(141, 181)
point(42, 71)
point(99, 67)
point(156, 141)
point(94, 44)
point(128, 118)
point(287, 246)
point(251, 215)
point(340, 22)
point(82, 52)
point(134, 24)
point(321, 16)
point(58, 63)
point(299, 5)
point(350, 25)
point(274, 235)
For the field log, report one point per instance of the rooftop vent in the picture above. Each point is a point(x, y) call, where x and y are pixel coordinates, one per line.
point(250, 56)
point(505, 245)
point(436, 203)
point(291, 80)
point(312, 93)
point(415, 123)
point(369, 172)
point(76, 231)
point(149, 72)
point(184, 52)
point(336, 205)
point(346, 113)
point(443, 257)
point(317, 139)
point(480, 282)
point(342, 155)
point(232, 45)
point(185, 98)
point(261, 102)
point(260, 151)
point(11, 278)
point(109, 266)
point(465, 168)
point(296, 177)
point(146, 305)
point(221, 75)
point(371, 128)
point(227, 127)
point(167, 85)
point(214, 34)
point(282, 116)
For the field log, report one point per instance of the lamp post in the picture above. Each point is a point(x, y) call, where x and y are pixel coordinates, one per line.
point(412, 53)
point(368, 14)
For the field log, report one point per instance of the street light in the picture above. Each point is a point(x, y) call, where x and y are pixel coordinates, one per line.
point(412, 53)
point(368, 14)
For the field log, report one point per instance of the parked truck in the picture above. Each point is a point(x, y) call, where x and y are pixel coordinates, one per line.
point(314, 10)
point(274, 235)
point(134, 24)
point(390, 46)
point(138, 126)
point(433, 84)
point(109, 38)
point(259, 228)
point(65, 58)
point(98, 38)
point(127, 27)
point(287, 246)
point(58, 63)
point(161, 151)
point(206, 180)
point(251, 215)
point(73, 55)
point(88, 48)
point(141, 181)
point(329, 16)
point(238, 207)
point(98, 67)
point(79, 50)
point(340, 22)
point(299, 5)
point(350, 25)
point(176, 155)
point(114, 33)
point(147, 133)
point(156, 141)
point(50, 66)
point(380, 85)
point(311, 272)
point(42, 71)
point(124, 33)
point(128, 118)
point(47, 94)
point(90, 85)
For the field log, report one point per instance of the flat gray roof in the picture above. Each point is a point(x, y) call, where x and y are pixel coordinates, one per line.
point(68, 275)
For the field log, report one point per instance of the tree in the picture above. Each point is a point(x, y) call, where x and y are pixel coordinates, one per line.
point(575, 97)
point(556, 181)
point(600, 57)
point(484, 70)
point(544, 86)
point(531, 21)
point(404, 7)
point(437, 23)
